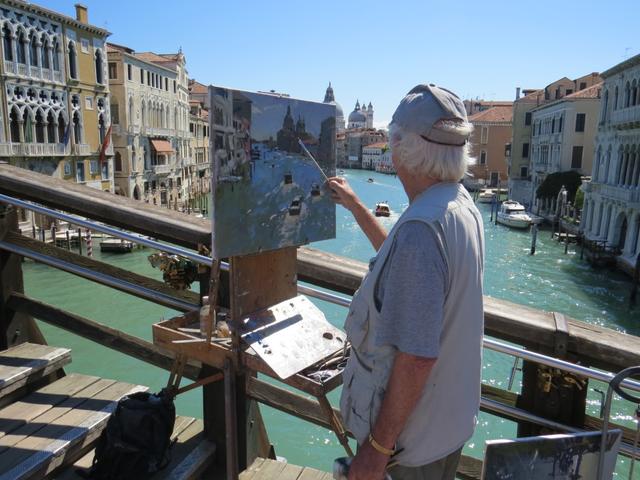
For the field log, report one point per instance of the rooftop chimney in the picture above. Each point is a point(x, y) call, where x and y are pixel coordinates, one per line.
point(81, 13)
point(517, 93)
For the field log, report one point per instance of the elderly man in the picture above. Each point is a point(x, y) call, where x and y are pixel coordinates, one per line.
point(412, 384)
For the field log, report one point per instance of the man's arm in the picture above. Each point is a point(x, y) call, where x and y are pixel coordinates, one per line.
point(406, 383)
point(342, 194)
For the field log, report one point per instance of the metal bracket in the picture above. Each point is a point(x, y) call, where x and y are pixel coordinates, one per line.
point(561, 336)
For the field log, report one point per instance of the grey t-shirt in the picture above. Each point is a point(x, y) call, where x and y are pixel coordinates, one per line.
point(411, 291)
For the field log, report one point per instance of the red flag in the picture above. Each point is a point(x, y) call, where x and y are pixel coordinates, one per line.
point(105, 144)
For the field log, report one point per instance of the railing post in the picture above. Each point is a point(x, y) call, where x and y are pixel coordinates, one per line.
point(14, 327)
point(551, 393)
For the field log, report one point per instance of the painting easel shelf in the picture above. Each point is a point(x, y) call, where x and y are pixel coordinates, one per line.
point(182, 335)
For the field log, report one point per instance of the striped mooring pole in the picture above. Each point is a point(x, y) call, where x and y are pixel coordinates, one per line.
point(89, 244)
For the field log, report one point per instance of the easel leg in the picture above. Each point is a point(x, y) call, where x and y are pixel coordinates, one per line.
point(336, 424)
point(231, 419)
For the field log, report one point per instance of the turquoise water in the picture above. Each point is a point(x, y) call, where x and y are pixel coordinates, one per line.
point(549, 280)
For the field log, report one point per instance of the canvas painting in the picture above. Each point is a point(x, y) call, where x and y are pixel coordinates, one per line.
point(553, 457)
point(271, 155)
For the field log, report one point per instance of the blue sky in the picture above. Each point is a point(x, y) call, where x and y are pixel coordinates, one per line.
point(373, 50)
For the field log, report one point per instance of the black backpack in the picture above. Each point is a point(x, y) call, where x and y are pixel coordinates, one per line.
point(136, 442)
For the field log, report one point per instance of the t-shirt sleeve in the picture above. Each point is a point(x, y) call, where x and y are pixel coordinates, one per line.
point(411, 292)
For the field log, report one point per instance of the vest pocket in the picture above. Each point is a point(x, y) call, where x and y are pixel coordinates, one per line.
point(356, 400)
point(357, 323)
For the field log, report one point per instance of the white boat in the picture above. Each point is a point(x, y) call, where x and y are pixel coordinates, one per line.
point(513, 215)
point(382, 209)
point(116, 245)
point(487, 195)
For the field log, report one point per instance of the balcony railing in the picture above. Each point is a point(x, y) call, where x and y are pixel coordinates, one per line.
point(626, 117)
point(9, 67)
point(81, 149)
point(616, 192)
point(161, 169)
point(33, 149)
point(14, 68)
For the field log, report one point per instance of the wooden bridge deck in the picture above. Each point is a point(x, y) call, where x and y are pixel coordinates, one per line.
point(265, 469)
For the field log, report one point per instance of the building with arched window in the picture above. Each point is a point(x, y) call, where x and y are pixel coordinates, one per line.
point(562, 138)
point(51, 94)
point(150, 112)
point(611, 210)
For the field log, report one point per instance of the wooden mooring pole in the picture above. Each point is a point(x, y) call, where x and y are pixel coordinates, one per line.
point(80, 241)
point(534, 238)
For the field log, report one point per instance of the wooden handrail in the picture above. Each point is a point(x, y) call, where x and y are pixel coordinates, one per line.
point(590, 344)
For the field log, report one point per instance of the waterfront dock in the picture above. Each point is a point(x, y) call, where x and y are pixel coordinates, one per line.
point(542, 338)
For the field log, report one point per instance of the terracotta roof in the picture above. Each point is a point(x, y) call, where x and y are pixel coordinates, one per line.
point(592, 92)
point(114, 47)
point(533, 97)
point(377, 145)
point(494, 114)
point(166, 60)
point(197, 87)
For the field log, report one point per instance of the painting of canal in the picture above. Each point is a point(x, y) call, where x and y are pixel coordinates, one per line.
point(268, 192)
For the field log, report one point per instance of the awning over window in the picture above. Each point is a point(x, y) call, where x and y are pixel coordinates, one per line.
point(162, 146)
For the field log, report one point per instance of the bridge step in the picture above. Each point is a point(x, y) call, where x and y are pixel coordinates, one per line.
point(27, 364)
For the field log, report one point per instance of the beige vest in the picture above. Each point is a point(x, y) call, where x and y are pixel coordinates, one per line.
point(445, 415)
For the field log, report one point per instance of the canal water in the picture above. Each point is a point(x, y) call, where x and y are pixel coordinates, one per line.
point(549, 280)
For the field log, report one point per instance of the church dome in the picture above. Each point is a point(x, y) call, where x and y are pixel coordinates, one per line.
point(357, 117)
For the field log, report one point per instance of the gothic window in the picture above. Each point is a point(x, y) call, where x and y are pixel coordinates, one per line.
point(33, 50)
point(31, 94)
point(7, 43)
point(101, 128)
point(115, 114)
point(51, 128)
point(14, 125)
point(627, 94)
point(118, 162)
point(615, 99)
point(56, 50)
point(131, 119)
point(73, 70)
point(45, 53)
point(63, 132)
point(39, 127)
point(28, 126)
point(77, 127)
point(634, 94)
point(143, 119)
point(22, 54)
point(99, 73)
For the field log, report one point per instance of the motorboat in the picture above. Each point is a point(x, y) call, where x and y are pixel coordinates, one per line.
point(116, 245)
point(382, 209)
point(513, 215)
point(487, 195)
point(370, 180)
point(296, 206)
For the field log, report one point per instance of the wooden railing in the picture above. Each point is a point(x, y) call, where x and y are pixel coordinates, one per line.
point(537, 330)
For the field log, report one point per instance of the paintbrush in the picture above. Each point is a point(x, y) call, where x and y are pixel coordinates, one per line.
point(308, 153)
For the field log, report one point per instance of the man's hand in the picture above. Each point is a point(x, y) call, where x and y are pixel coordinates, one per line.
point(368, 464)
point(342, 194)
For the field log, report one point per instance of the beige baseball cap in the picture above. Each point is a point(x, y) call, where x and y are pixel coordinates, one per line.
point(426, 105)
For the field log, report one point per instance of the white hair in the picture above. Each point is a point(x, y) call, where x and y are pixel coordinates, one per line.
point(447, 163)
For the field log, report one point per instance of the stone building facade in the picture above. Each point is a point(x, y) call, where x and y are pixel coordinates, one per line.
point(562, 139)
point(55, 116)
point(519, 159)
point(491, 134)
point(150, 112)
point(611, 210)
